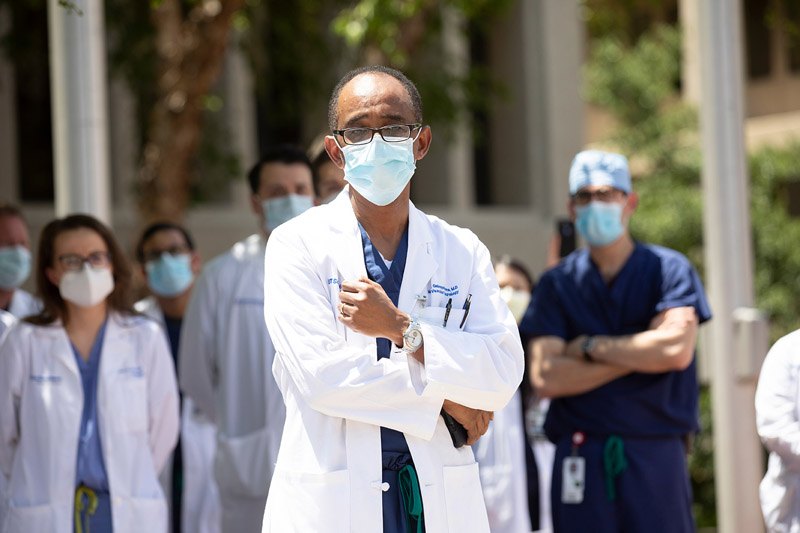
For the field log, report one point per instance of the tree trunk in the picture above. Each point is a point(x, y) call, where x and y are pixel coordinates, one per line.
point(191, 48)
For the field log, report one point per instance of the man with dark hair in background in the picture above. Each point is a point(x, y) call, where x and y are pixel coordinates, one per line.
point(328, 178)
point(226, 353)
point(169, 262)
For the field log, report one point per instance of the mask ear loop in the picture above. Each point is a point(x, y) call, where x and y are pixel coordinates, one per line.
point(340, 147)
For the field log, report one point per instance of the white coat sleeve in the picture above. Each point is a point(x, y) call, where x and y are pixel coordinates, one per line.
point(333, 378)
point(197, 358)
point(480, 366)
point(776, 401)
point(12, 376)
point(162, 401)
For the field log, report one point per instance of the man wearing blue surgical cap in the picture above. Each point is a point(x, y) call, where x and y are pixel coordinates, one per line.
point(612, 332)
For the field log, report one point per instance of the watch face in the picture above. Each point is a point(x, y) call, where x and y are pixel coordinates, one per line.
point(414, 338)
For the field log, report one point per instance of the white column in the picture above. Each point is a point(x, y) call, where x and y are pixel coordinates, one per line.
point(240, 109)
point(78, 94)
point(553, 37)
point(690, 53)
point(460, 168)
point(738, 459)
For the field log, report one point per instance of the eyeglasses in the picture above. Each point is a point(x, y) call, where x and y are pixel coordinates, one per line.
point(607, 194)
point(154, 255)
point(393, 133)
point(75, 261)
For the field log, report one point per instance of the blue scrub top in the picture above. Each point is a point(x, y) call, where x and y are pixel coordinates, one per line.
point(572, 300)
point(91, 469)
point(390, 279)
point(173, 327)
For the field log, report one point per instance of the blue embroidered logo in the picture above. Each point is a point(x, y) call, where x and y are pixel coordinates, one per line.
point(249, 301)
point(132, 371)
point(451, 291)
point(331, 281)
point(45, 379)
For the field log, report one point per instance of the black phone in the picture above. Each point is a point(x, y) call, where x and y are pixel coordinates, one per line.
point(566, 230)
point(458, 434)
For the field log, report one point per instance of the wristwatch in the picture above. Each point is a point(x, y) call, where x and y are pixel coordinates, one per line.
point(586, 347)
point(412, 337)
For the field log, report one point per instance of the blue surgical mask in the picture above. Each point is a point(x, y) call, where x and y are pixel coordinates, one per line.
point(169, 275)
point(284, 208)
point(15, 266)
point(380, 170)
point(600, 223)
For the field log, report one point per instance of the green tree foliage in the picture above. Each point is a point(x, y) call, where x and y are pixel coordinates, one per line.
point(774, 177)
point(656, 130)
point(407, 35)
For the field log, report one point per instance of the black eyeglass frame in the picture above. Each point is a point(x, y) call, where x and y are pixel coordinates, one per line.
point(411, 127)
point(602, 195)
point(175, 250)
point(95, 259)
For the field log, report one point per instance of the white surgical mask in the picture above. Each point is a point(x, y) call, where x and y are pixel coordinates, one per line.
point(284, 208)
point(516, 300)
point(86, 287)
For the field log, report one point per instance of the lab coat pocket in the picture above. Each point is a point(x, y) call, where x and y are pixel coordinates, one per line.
point(33, 518)
point(436, 317)
point(132, 404)
point(464, 499)
point(303, 501)
point(132, 515)
point(241, 465)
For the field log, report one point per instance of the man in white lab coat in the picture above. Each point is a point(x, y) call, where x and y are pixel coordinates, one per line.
point(170, 263)
point(382, 318)
point(225, 355)
point(15, 264)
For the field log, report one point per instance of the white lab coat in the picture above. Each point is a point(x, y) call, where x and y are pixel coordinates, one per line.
point(6, 321)
point(778, 423)
point(544, 452)
point(338, 394)
point(41, 401)
point(504, 478)
point(201, 510)
point(24, 304)
point(226, 359)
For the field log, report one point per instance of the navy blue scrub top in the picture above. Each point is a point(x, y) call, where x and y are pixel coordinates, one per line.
point(173, 327)
point(91, 469)
point(572, 300)
point(390, 279)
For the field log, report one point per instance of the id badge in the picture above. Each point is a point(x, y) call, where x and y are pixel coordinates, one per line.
point(573, 478)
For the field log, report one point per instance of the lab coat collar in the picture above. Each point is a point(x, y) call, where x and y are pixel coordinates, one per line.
point(116, 333)
point(420, 263)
